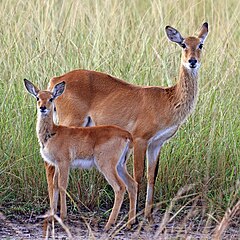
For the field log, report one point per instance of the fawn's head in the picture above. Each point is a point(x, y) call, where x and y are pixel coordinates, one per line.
point(192, 46)
point(44, 99)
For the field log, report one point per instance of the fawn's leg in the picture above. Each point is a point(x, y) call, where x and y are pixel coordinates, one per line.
point(62, 184)
point(50, 170)
point(110, 173)
point(131, 186)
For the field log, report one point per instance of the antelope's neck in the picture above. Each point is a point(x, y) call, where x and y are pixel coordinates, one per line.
point(186, 92)
point(45, 128)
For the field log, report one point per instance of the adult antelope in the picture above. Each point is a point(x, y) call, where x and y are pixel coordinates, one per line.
point(152, 114)
point(105, 147)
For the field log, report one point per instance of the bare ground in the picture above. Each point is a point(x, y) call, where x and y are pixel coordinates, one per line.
point(91, 227)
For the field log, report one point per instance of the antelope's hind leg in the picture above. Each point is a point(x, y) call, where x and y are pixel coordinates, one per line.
point(110, 173)
point(131, 186)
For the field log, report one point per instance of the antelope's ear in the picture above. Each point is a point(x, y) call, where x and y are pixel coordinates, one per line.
point(203, 32)
point(174, 35)
point(31, 88)
point(58, 89)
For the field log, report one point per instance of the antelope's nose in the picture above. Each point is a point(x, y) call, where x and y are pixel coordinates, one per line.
point(42, 109)
point(192, 62)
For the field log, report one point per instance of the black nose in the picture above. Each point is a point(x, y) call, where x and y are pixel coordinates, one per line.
point(192, 62)
point(42, 109)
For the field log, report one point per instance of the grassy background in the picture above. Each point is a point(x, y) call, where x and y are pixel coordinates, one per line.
point(42, 39)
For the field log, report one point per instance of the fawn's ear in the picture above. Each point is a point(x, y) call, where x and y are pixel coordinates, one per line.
point(203, 32)
point(58, 89)
point(31, 88)
point(174, 35)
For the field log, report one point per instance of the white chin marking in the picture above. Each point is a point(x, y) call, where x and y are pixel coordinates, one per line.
point(45, 113)
point(187, 66)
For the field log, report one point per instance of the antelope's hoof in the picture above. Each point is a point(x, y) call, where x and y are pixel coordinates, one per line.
point(131, 223)
point(63, 216)
point(129, 226)
point(150, 219)
point(107, 227)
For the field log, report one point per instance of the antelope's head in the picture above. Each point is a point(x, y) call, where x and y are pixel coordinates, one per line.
point(44, 99)
point(192, 46)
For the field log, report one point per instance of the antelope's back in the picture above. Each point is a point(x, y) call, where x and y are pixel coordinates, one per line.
point(99, 95)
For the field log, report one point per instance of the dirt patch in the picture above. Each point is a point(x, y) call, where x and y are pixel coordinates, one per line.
point(90, 226)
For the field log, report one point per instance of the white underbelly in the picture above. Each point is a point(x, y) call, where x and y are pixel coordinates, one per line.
point(83, 163)
point(164, 134)
point(76, 163)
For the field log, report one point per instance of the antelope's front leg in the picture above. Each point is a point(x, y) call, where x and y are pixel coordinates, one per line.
point(153, 152)
point(50, 171)
point(55, 192)
point(140, 147)
point(62, 184)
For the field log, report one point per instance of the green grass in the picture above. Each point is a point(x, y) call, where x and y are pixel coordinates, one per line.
point(42, 39)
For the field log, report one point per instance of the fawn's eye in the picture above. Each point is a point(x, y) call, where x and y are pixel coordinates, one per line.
point(200, 46)
point(183, 45)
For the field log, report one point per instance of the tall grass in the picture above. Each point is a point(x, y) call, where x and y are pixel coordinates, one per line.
point(42, 39)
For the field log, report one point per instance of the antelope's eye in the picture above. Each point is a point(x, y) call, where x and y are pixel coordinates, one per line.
point(183, 45)
point(37, 98)
point(200, 46)
point(51, 99)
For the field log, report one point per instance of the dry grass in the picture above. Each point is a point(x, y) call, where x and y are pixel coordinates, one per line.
point(41, 39)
